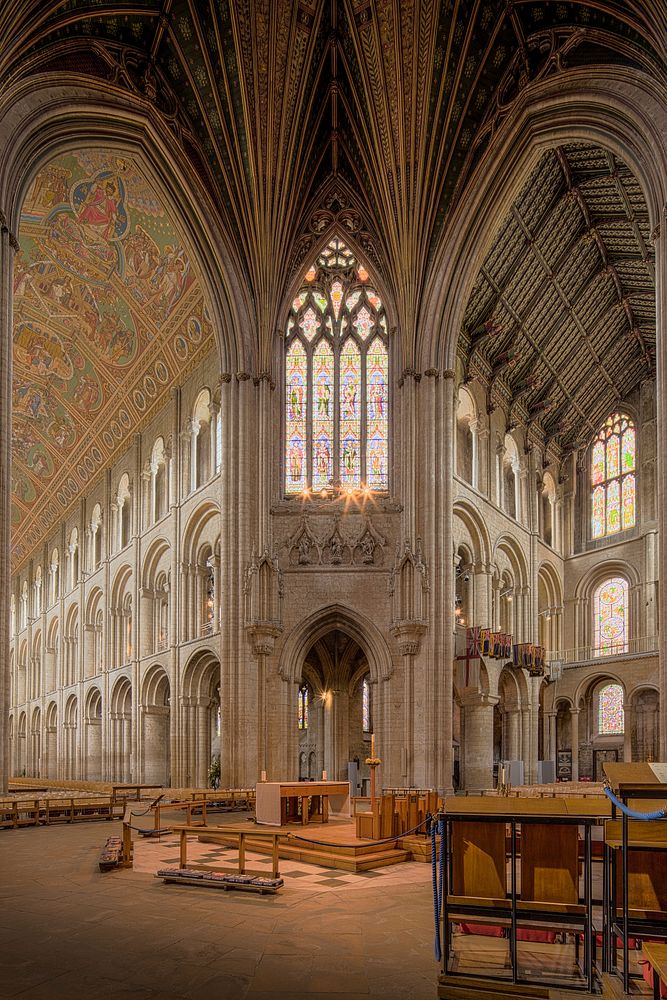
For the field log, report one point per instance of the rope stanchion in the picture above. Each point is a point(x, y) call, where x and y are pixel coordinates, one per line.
point(438, 879)
point(633, 813)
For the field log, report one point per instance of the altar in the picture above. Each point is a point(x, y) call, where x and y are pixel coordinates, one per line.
point(282, 802)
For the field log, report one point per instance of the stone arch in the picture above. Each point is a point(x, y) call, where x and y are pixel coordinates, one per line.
point(22, 745)
point(71, 737)
point(200, 593)
point(35, 748)
point(200, 715)
point(120, 728)
point(336, 617)
point(549, 606)
point(92, 734)
point(644, 718)
point(156, 725)
point(476, 527)
point(50, 766)
point(618, 108)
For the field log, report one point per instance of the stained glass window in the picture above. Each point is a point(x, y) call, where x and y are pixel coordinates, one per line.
point(336, 380)
point(611, 617)
point(611, 717)
point(613, 462)
point(303, 707)
point(366, 705)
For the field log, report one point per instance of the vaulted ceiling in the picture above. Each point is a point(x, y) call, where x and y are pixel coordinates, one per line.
point(290, 111)
point(269, 98)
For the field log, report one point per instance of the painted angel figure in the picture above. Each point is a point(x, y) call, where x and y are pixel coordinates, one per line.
point(350, 399)
point(295, 401)
point(323, 398)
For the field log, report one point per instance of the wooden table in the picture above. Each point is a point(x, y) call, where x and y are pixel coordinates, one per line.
point(117, 791)
point(656, 955)
point(273, 800)
point(221, 834)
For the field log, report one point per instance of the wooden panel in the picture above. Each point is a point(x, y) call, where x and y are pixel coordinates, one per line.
point(549, 863)
point(478, 859)
point(484, 805)
point(647, 880)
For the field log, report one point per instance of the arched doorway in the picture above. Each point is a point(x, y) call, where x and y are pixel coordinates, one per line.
point(121, 730)
point(334, 710)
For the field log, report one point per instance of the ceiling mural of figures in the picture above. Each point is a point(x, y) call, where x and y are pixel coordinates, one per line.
point(108, 311)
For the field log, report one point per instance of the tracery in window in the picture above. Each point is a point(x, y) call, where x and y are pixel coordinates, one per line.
point(613, 482)
point(611, 717)
point(611, 617)
point(336, 380)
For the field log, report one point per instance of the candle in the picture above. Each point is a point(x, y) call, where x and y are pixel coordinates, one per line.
point(372, 744)
point(263, 778)
point(324, 775)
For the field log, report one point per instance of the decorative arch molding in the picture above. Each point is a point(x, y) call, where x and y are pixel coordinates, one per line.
point(47, 114)
point(343, 619)
point(200, 674)
point(153, 680)
point(549, 575)
point(588, 685)
point(471, 518)
point(194, 529)
point(639, 688)
point(604, 571)
point(618, 108)
point(151, 561)
point(511, 548)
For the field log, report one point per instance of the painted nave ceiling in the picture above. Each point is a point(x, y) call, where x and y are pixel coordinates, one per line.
point(297, 117)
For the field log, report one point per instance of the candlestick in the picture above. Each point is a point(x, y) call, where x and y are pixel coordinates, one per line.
point(372, 744)
point(324, 775)
point(263, 777)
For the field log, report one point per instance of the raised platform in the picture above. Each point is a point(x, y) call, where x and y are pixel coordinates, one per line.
point(332, 846)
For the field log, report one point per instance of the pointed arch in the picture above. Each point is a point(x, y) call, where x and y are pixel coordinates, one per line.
point(342, 619)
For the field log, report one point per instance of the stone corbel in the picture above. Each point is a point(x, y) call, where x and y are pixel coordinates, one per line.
point(408, 635)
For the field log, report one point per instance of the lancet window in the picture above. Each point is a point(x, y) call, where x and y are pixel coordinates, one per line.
point(336, 380)
point(302, 707)
point(613, 479)
point(366, 705)
point(611, 617)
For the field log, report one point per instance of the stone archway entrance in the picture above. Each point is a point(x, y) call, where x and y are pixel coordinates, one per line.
point(334, 708)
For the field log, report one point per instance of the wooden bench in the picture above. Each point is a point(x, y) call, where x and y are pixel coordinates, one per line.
point(222, 834)
point(656, 955)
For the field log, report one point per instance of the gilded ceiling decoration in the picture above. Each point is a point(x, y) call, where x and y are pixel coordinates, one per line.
point(561, 322)
point(108, 313)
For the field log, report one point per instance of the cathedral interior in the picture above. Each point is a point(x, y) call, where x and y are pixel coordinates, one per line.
point(332, 393)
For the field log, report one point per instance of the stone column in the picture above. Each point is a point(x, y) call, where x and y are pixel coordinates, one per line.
point(477, 710)
point(552, 735)
point(512, 731)
point(628, 720)
point(574, 738)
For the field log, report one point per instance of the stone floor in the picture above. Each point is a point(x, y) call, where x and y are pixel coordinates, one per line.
point(69, 931)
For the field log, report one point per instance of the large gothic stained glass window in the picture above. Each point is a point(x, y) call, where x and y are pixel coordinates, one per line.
point(610, 608)
point(613, 483)
point(336, 380)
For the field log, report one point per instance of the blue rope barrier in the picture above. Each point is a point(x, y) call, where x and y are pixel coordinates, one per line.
point(438, 826)
point(632, 813)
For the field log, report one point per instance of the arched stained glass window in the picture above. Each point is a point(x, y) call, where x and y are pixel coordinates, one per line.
point(302, 707)
point(336, 380)
point(366, 705)
point(611, 717)
point(611, 617)
point(613, 482)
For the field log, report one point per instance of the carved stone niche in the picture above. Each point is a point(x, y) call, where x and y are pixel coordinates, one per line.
point(344, 541)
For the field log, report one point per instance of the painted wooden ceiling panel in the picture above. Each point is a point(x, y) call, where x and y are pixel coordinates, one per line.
point(109, 313)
